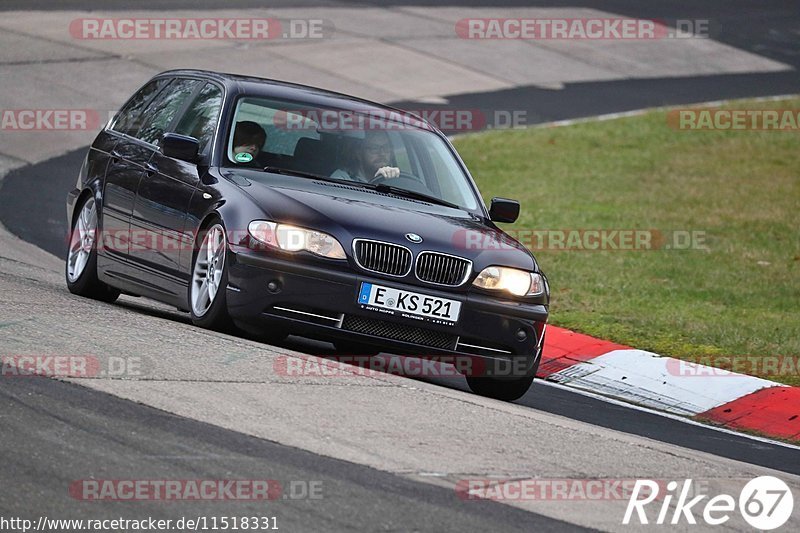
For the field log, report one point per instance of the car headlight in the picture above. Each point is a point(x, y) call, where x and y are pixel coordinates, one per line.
point(293, 239)
point(515, 281)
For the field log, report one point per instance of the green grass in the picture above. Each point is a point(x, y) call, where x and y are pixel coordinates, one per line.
point(741, 296)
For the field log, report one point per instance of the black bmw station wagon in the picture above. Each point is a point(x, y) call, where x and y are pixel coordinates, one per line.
point(282, 209)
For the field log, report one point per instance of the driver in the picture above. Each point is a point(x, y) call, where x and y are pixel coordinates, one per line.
point(372, 161)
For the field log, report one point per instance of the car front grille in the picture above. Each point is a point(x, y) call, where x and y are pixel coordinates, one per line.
point(442, 269)
point(383, 257)
point(399, 332)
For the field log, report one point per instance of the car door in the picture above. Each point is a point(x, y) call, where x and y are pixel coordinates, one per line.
point(127, 163)
point(161, 200)
point(199, 121)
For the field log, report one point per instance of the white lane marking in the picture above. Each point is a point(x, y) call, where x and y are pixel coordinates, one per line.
point(671, 416)
point(662, 383)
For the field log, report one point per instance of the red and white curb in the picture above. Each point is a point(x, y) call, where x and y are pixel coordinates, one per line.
point(732, 400)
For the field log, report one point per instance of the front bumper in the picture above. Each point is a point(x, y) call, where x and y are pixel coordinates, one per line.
point(318, 301)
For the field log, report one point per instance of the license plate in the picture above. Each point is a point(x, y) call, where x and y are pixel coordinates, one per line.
point(408, 304)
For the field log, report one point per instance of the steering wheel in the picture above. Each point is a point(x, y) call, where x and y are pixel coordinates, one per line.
point(405, 180)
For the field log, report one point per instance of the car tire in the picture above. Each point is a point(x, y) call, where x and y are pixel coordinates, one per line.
point(81, 262)
point(503, 388)
point(506, 389)
point(208, 283)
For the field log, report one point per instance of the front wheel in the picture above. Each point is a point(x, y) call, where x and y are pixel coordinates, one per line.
point(207, 290)
point(81, 263)
point(507, 389)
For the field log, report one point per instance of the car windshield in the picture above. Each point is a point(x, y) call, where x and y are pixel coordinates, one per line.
point(370, 148)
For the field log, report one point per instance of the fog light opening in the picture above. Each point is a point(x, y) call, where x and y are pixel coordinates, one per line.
point(274, 286)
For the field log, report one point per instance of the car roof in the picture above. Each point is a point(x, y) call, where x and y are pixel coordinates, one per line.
point(270, 88)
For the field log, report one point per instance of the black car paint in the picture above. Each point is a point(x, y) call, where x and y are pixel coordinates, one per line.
point(135, 183)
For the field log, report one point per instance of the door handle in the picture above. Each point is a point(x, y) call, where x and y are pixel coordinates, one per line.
point(115, 157)
point(150, 169)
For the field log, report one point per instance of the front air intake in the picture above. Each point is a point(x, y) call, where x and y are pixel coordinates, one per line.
point(382, 257)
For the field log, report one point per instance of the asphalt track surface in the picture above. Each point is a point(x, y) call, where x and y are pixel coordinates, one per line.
point(92, 433)
point(107, 438)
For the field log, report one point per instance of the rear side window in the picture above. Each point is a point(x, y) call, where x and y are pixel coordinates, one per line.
point(159, 113)
point(129, 118)
point(200, 120)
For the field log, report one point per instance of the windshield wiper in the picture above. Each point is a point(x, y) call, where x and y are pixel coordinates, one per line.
point(302, 174)
point(414, 195)
point(397, 191)
point(292, 172)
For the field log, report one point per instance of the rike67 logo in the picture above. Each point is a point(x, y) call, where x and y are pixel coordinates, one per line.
point(765, 503)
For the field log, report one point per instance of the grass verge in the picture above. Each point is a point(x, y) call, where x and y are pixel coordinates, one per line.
point(737, 293)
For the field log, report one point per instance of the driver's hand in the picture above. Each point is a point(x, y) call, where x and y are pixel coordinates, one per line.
point(387, 172)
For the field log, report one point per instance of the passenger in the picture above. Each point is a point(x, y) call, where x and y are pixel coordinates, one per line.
point(373, 160)
point(248, 138)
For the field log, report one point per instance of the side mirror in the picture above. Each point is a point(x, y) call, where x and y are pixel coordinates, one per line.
point(504, 210)
point(180, 147)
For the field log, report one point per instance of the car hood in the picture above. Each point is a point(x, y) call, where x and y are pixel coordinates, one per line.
point(351, 212)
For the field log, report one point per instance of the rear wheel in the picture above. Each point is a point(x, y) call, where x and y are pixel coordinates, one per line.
point(208, 287)
point(81, 263)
